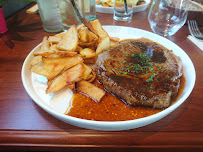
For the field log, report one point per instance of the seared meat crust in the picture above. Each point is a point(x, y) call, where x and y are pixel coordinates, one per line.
point(151, 82)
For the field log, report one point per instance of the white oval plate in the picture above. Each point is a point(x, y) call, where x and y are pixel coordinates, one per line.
point(57, 103)
point(110, 10)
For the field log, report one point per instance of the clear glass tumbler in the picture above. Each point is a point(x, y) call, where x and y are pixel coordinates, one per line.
point(68, 15)
point(123, 12)
point(166, 17)
point(50, 15)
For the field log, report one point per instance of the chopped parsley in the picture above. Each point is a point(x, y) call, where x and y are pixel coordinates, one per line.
point(151, 78)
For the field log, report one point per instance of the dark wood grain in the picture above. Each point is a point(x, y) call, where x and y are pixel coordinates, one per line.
point(25, 126)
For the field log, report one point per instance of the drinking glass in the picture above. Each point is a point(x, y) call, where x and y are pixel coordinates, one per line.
point(68, 15)
point(123, 12)
point(166, 17)
point(50, 15)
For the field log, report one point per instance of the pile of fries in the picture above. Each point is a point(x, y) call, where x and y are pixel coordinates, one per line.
point(63, 58)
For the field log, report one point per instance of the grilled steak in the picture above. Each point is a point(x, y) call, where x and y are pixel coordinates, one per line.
point(140, 72)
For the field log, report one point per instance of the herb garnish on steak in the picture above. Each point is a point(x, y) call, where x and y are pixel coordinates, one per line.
point(140, 72)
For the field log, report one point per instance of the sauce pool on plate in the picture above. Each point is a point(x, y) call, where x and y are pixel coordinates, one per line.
point(110, 108)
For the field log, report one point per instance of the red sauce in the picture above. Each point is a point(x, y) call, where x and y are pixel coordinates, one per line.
point(110, 108)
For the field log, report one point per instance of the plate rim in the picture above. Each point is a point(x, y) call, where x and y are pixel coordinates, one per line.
point(93, 124)
point(110, 9)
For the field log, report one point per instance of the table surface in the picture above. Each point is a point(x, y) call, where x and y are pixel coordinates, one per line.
point(25, 126)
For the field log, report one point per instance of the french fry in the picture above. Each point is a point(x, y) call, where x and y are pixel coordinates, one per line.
point(86, 72)
point(44, 47)
point(89, 26)
point(88, 44)
point(68, 77)
point(91, 77)
point(70, 40)
point(80, 26)
point(87, 53)
point(61, 35)
point(39, 69)
point(90, 89)
point(78, 49)
point(113, 44)
point(55, 65)
point(114, 39)
point(98, 28)
point(54, 39)
point(83, 35)
point(58, 54)
point(104, 44)
point(36, 60)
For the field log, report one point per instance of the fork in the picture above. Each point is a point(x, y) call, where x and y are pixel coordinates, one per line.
point(194, 30)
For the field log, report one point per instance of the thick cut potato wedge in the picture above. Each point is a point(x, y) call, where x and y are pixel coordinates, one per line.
point(104, 44)
point(70, 40)
point(39, 69)
point(44, 47)
point(36, 60)
point(98, 28)
point(80, 26)
point(90, 89)
point(113, 44)
point(58, 54)
point(87, 53)
point(61, 35)
point(55, 65)
point(83, 35)
point(79, 48)
point(114, 39)
point(86, 72)
point(54, 39)
point(68, 77)
point(89, 26)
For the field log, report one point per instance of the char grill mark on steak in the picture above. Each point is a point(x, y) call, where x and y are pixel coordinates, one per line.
point(141, 73)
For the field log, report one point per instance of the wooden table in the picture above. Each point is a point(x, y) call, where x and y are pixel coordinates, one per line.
point(25, 126)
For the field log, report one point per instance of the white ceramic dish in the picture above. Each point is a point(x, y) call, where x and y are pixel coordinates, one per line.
point(57, 103)
point(109, 10)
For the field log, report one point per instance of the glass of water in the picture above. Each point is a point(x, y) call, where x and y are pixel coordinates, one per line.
point(123, 10)
point(166, 17)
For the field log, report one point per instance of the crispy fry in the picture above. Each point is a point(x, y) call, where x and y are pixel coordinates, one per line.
point(87, 53)
point(86, 72)
point(39, 69)
point(114, 39)
point(89, 26)
point(90, 89)
point(36, 60)
point(58, 54)
point(91, 77)
point(54, 39)
point(70, 40)
point(61, 35)
point(104, 44)
point(80, 26)
point(68, 77)
point(78, 49)
point(113, 44)
point(44, 46)
point(98, 28)
point(55, 65)
point(83, 35)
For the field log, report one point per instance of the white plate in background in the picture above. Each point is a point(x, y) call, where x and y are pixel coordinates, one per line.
point(109, 10)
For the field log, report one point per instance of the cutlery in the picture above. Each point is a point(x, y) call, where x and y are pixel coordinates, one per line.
point(194, 30)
